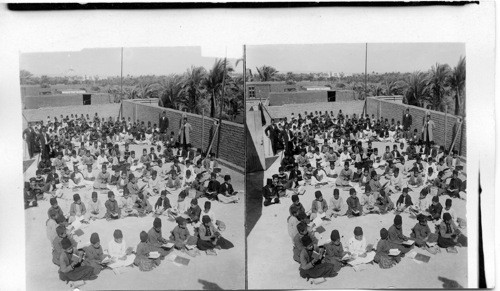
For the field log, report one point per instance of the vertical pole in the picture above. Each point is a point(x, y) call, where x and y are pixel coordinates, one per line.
point(366, 68)
point(221, 104)
point(202, 128)
point(244, 73)
point(121, 76)
point(446, 126)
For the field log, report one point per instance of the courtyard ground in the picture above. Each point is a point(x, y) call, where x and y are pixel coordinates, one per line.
point(271, 266)
point(204, 272)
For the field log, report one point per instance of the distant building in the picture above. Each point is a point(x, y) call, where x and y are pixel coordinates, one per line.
point(281, 93)
point(73, 91)
point(317, 88)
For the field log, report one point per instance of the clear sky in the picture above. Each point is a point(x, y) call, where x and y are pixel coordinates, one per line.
point(106, 61)
point(350, 58)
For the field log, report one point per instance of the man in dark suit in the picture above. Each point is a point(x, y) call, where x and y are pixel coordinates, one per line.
point(407, 121)
point(44, 141)
point(163, 123)
point(272, 132)
point(29, 136)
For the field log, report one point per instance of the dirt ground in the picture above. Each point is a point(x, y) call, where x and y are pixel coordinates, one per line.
point(271, 266)
point(224, 271)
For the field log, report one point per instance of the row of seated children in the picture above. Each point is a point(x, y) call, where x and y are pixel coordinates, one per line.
point(283, 185)
point(149, 182)
point(320, 261)
point(80, 264)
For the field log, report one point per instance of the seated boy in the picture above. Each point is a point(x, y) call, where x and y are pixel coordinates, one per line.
point(337, 206)
point(396, 236)
point(127, 204)
point(354, 206)
point(453, 188)
point(102, 179)
point(421, 231)
point(345, 176)
point(404, 201)
point(270, 192)
point(396, 182)
point(181, 236)
point(361, 253)
point(77, 211)
point(213, 187)
point(226, 192)
point(112, 209)
point(96, 210)
point(368, 201)
point(30, 199)
point(435, 209)
point(162, 204)
point(118, 251)
point(319, 206)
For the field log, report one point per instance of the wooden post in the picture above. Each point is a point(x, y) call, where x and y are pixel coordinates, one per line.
point(446, 126)
point(221, 106)
point(202, 128)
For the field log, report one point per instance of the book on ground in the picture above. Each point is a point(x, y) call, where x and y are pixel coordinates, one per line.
point(320, 229)
point(182, 260)
point(168, 245)
point(409, 242)
point(79, 232)
point(452, 250)
point(105, 261)
point(422, 258)
point(431, 244)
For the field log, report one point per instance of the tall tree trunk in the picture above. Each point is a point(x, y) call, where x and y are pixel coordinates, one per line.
point(212, 105)
point(457, 104)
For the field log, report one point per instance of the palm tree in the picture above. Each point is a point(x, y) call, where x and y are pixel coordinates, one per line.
point(436, 84)
point(415, 91)
point(213, 81)
point(376, 89)
point(192, 88)
point(266, 73)
point(457, 83)
point(170, 91)
point(234, 97)
point(115, 92)
point(393, 87)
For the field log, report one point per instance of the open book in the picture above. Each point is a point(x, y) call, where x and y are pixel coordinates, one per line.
point(154, 255)
point(408, 242)
point(394, 252)
point(106, 261)
point(168, 245)
point(431, 244)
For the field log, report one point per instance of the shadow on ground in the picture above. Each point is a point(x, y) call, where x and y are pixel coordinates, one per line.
point(450, 284)
point(253, 199)
point(209, 285)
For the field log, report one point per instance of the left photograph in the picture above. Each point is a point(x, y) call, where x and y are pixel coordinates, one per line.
point(133, 167)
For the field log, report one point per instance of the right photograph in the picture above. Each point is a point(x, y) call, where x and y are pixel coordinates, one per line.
point(356, 166)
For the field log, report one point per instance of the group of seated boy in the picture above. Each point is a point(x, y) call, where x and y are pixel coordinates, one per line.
point(98, 166)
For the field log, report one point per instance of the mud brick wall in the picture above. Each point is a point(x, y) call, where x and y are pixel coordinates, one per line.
point(446, 124)
point(349, 108)
point(232, 143)
point(103, 110)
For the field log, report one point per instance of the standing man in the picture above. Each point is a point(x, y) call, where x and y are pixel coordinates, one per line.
point(163, 124)
point(427, 132)
point(184, 134)
point(44, 142)
point(29, 137)
point(407, 120)
point(272, 132)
